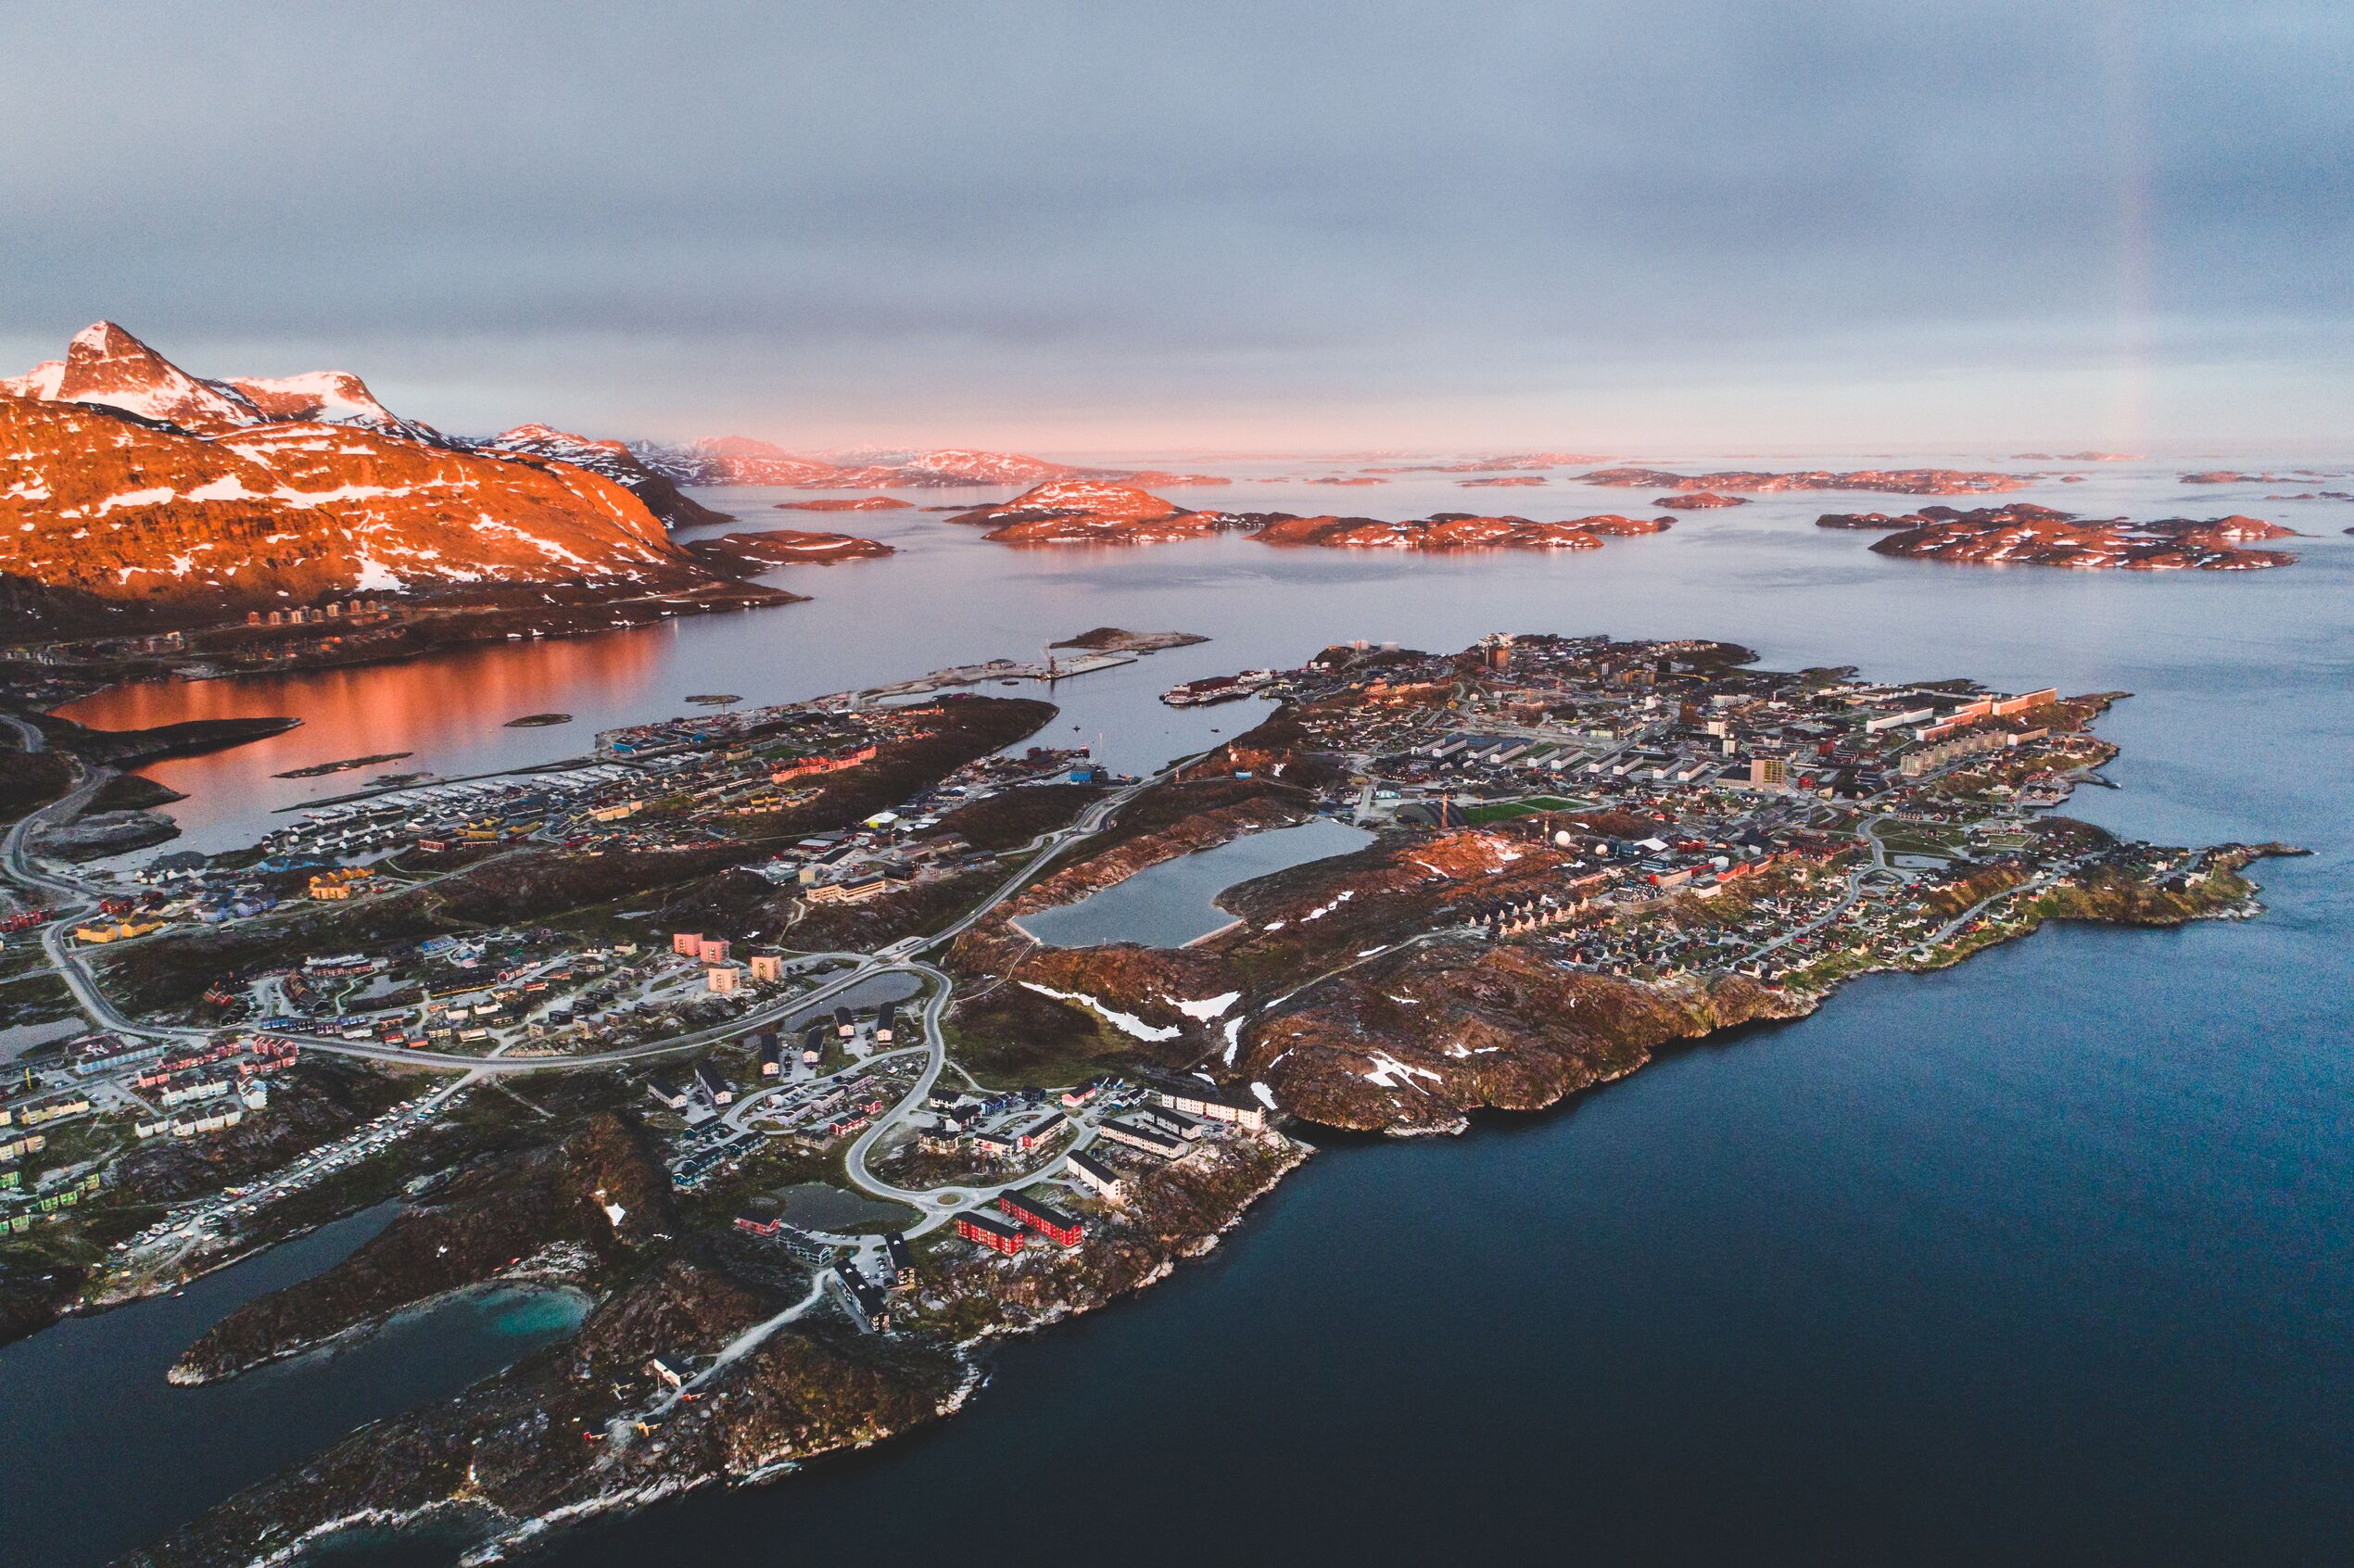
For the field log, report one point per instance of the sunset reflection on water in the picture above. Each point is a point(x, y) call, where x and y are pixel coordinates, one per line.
point(449, 705)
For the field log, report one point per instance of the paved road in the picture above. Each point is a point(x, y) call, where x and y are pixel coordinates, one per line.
point(1089, 822)
point(27, 731)
point(1945, 933)
point(866, 968)
point(937, 1205)
point(76, 898)
point(19, 864)
point(1878, 867)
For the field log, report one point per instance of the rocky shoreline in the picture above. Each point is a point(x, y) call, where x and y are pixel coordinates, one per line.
point(762, 548)
point(1452, 965)
point(500, 1457)
point(802, 1393)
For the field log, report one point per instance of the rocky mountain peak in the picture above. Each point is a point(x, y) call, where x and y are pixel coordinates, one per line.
point(105, 364)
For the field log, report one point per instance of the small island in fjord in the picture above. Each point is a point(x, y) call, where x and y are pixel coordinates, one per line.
point(1899, 481)
point(786, 547)
point(1068, 512)
point(1580, 851)
point(2037, 535)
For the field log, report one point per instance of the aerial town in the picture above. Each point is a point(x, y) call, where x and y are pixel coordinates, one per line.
point(732, 1028)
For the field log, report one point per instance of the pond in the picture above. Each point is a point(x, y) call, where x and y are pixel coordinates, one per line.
point(1175, 902)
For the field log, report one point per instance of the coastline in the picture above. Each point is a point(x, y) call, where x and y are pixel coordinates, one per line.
point(511, 1532)
point(780, 1397)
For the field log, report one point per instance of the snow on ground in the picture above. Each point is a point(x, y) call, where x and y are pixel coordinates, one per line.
point(1322, 910)
point(376, 577)
point(129, 498)
point(1266, 1096)
point(1391, 1073)
point(1127, 1023)
point(1234, 1039)
point(228, 488)
point(1208, 1008)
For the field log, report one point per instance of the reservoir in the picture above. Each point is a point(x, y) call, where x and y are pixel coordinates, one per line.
point(1174, 902)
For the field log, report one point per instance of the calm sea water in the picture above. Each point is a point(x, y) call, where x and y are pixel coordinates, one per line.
point(99, 1454)
point(2044, 1258)
point(1175, 902)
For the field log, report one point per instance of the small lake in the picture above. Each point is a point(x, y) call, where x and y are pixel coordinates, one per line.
point(872, 993)
point(1175, 902)
point(91, 1416)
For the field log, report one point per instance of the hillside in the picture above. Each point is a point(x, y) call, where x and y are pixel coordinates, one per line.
point(132, 489)
point(615, 462)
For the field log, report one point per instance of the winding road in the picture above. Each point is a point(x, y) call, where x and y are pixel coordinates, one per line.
point(937, 1205)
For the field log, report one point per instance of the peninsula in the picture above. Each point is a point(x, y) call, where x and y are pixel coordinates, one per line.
point(605, 1028)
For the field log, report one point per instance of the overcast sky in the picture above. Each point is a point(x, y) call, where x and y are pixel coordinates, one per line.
point(1093, 227)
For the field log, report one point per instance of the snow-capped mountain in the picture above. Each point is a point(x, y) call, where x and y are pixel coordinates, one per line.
point(328, 397)
point(736, 459)
point(126, 480)
point(957, 465)
point(104, 364)
point(740, 460)
point(107, 365)
point(613, 461)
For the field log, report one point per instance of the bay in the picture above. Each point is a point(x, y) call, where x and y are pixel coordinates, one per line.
point(99, 1454)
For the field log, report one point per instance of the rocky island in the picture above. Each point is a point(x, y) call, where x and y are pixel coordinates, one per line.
point(1117, 640)
point(2037, 535)
point(789, 547)
point(862, 503)
point(611, 1048)
point(1090, 511)
point(1900, 481)
point(1448, 531)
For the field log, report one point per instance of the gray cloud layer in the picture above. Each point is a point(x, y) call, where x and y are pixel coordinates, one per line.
point(1088, 225)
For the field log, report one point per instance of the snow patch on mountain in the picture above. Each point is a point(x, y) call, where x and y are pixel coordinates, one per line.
point(1127, 1023)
